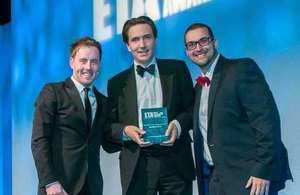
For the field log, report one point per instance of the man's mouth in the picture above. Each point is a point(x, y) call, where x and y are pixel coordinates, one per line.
point(143, 52)
point(86, 74)
point(200, 53)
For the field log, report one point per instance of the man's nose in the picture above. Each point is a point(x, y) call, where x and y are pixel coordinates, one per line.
point(142, 43)
point(88, 64)
point(198, 46)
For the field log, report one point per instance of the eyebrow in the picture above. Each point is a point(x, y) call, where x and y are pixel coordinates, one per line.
point(85, 59)
point(199, 39)
point(143, 36)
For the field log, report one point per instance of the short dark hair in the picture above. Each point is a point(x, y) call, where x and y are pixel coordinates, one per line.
point(199, 25)
point(85, 41)
point(134, 21)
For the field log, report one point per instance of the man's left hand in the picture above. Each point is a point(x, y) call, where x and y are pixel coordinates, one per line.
point(171, 132)
point(258, 186)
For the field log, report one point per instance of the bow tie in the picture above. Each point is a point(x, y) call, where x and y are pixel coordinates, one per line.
point(141, 70)
point(202, 80)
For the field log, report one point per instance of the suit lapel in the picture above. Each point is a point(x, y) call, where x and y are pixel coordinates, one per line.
point(75, 97)
point(198, 90)
point(215, 83)
point(166, 81)
point(99, 109)
point(130, 97)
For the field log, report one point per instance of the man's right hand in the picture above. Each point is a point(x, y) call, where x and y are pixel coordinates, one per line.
point(136, 135)
point(56, 189)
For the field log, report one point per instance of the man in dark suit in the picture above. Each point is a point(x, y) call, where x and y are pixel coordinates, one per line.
point(238, 146)
point(68, 128)
point(152, 83)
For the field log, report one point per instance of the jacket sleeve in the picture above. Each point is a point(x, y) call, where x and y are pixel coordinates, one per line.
point(42, 131)
point(261, 110)
point(108, 143)
point(187, 98)
point(114, 128)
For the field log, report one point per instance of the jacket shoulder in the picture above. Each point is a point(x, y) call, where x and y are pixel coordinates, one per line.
point(172, 66)
point(99, 94)
point(120, 76)
point(48, 93)
point(53, 86)
point(240, 64)
point(172, 62)
point(239, 61)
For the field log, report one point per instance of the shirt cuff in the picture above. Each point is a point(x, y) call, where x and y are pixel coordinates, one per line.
point(178, 127)
point(51, 184)
point(124, 136)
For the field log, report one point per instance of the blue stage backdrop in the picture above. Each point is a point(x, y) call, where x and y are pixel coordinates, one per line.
point(5, 114)
point(42, 31)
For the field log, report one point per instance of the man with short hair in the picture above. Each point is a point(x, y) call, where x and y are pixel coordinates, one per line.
point(68, 128)
point(147, 168)
point(237, 143)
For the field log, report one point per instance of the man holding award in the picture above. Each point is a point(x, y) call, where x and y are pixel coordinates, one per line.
point(150, 106)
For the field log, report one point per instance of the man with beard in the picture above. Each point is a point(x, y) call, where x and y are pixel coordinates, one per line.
point(238, 147)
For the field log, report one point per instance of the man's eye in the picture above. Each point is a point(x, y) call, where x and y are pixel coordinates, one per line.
point(191, 44)
point(134, 39)
point(83, 61)
point(94, 61)
point(204, 40)
point(148, 37)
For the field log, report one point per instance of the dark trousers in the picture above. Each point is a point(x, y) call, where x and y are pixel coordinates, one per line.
point(213, 184)
point(155, 173)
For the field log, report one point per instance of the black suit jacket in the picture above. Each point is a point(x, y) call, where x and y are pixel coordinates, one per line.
point(177, 91)
point(243, 128)
point(62, 147)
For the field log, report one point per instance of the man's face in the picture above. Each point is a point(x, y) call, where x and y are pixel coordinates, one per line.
point(85, 64)
point(141, 43)
point(199, 46)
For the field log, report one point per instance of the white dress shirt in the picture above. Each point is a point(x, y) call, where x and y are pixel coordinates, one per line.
point(91, 96)
point(149, 92)
point(203, 112)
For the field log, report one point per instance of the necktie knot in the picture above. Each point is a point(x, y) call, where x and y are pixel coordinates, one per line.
point(86, 90)
point(202, 80)
point(141, 70)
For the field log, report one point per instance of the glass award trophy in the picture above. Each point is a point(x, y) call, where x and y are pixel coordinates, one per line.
point(155, 123)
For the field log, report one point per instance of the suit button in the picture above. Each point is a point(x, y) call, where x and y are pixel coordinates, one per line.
point(211, 145)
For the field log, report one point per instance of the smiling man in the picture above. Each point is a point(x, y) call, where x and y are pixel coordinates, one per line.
point(238, 148)
point(68, 128)
point(148, 168)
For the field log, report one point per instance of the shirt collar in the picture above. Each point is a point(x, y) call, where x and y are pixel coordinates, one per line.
point(153, 61)
point(211, 69)
point(79, 86)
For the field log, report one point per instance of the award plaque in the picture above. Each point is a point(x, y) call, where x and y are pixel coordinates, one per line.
point(155, 123)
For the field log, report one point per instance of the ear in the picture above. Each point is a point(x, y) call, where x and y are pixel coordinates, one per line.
point(71, 62)
point(128, 48)
point(186, 52)
point(216, 44)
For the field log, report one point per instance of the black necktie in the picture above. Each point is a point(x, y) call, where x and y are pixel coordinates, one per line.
point(141, 70)
point(88, 108)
